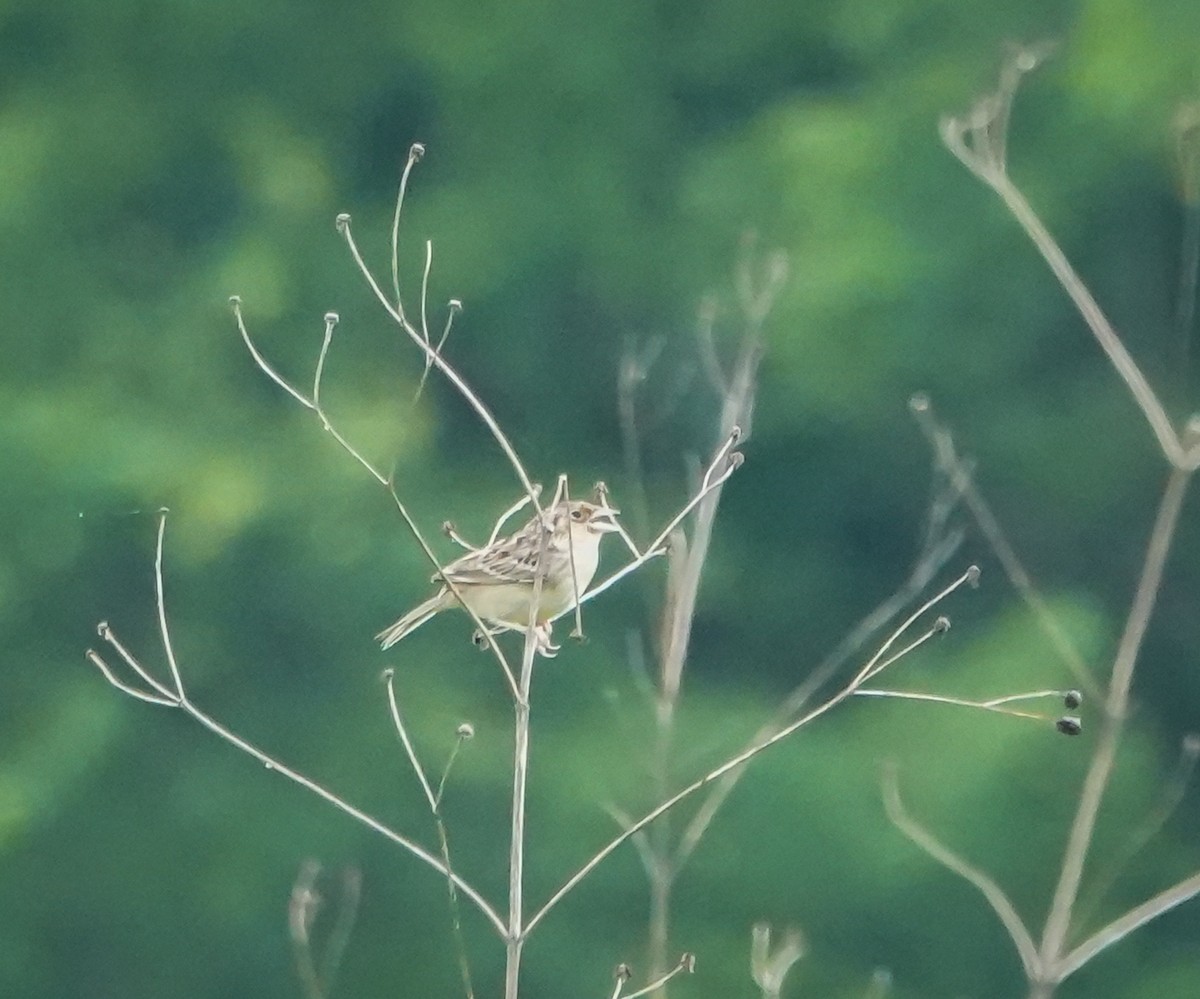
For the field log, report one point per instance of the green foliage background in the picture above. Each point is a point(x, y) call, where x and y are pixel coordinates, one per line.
point(591, 172)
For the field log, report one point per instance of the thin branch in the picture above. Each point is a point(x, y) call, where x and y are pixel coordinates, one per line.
point(451, 532)
point(941, 442)
point(1169, 800)
point(1096, 783)
point(731, 461)
point(939, 627)
point(685, 965)
point(425, 299)
point(455, 379)
point(738, 760)
point(991, 891)
point(434, 801)
point(979, 140)
point(268, 761)
point(996, 704)
point(518, 930)
point(274, 765)
point(604, 499)
point(171, 697)
point(969, 578)
point(453, 308)
point(1120, 928)
point(415, 152)
point(516, 508)
point(94, 658)
point(303, 908)
point(389, 677)
point(300, 397)
point(938, 546)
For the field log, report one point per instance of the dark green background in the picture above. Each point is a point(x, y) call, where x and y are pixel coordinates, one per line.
point(591, 171)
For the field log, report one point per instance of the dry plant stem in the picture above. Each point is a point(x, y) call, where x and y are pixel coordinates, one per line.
point(178, 698)
point(425, 298)
point(996, 704)
point(991, 891)
point(1171, 797)
point(1121, 927)
point(686, 964)
point(736, 761)
point(683, 588)
point(314, 404)
point(317, 980)
point(979, 140)
point(731, 460)
point(299, 917)
point(800, 696)
point(517, 931)
point(938, 545)
point(434, 801)
point(441, 364)
point(516, 508)
point(384, 480)
point(272, 764)
point(415, 152)
point(300, 397)
point(941, 441)
point(1107, 337)
point(1058, 923)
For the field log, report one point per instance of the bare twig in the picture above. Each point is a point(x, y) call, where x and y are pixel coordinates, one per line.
point(1169, 800)
point(317, 977)
point(415, 152)
point(685, 965)
point(996, 704)
point(728, 461)
point(435, 802)
point(439, 362)
point(770, 968)
point(331, 320)
point(183, 702)
point(941, 442)
point(1120, 928)
point(938, 545)
point(970, 576)
point(1104, 757)
point(991, 891)
point(979, 139)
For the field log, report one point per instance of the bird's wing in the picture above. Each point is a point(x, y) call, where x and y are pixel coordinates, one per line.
point(513, 560)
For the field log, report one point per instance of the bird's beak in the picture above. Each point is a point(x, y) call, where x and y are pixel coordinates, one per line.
point(604, 520)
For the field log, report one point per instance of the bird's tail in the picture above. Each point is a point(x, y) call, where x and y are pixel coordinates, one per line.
point(412, 620)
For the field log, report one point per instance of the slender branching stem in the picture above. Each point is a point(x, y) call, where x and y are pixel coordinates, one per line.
point(938, 545)
point(415, 152)
point(685, 965)
point(996, 898)
point(517, 930)
point(1120, 928)
point(941, 442)
point(1058, 922)
point(180, 700)
point(439, 362)
point(434, 800)
point(970, 576)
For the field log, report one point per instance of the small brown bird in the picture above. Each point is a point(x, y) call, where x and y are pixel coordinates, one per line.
point(497, 582)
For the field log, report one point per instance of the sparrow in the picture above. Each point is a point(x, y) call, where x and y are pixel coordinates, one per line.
point(497, 581)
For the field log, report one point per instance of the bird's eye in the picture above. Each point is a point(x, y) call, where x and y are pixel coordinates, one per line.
point(577, 515)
